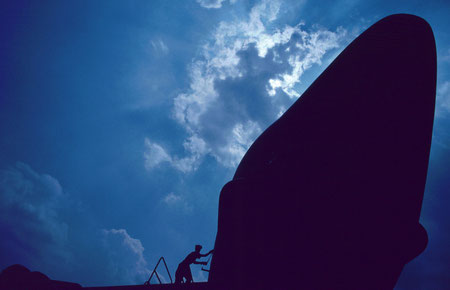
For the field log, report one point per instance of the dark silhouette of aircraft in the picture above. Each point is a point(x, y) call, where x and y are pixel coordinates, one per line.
point(329, 196)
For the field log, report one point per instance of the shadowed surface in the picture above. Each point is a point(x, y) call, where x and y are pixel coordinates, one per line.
point(330, 194)
point(193, 286)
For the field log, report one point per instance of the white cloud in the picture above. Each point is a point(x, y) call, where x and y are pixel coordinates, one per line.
point(189, 107)
point(281, 112)
point(196, 148)
point(177, 202)
point(159, 46)
point(309, 51)
point(242, 137)
point(443, 99)
point(212, 3)
point(126, 257)
point(195, 145)
point(215, 119)
point(220, 61)
point(171, 199)
point(154, 154)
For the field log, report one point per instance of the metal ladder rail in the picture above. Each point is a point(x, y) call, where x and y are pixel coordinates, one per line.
point(203, 268)
point(156, 273)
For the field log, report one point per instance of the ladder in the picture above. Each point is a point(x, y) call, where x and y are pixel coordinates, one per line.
point(156, 273)
point(207, 262)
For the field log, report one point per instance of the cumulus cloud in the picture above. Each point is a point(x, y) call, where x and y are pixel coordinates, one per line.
point(126, 259)
point(245, 76)
point(242, 136)
point(219, 61)
point(154, 154)
point(36, 231)
point(194, 146)
point(29, 216)
point(308, 51)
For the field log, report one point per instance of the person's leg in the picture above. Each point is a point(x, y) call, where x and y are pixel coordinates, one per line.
point(178, 275)
point(189, 275)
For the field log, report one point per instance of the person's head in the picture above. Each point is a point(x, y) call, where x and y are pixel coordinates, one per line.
point(198, 248)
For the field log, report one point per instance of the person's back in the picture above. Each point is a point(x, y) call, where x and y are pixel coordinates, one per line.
point(184, 270)
point(190, 259)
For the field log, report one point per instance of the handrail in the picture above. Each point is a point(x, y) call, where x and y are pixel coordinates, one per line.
point(209, 258)
point(156, 273)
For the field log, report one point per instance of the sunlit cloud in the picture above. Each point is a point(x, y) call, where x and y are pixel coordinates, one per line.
point(155, 154)
point(213, 3)
point(242, 137)
point(126, 256)
point(211, 114)
point(308, 51)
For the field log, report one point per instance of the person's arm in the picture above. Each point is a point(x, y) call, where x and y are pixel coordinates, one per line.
point(207, 254)
point(199, 263)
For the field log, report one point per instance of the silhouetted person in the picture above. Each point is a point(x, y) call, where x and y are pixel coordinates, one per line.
point(184, 269)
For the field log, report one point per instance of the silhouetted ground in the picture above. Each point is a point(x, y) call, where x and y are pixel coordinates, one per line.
point(18, 277)
point(193, 286)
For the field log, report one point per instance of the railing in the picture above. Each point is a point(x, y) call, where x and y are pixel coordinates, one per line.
point(156, 273)
point(203, 268)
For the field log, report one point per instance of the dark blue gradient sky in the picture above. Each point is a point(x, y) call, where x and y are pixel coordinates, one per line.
point(120, 121)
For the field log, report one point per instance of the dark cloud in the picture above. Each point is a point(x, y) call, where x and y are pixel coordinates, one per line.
point(45, 230)
point(29, 206)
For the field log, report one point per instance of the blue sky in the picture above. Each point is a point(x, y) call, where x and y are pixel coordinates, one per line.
point(120, 121)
